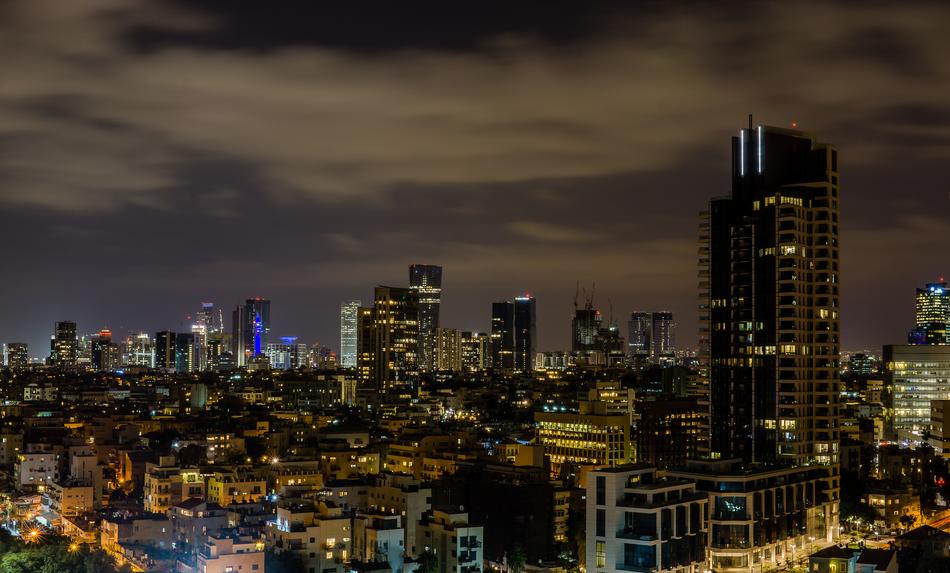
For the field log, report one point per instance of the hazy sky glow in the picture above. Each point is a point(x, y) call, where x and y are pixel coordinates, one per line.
point(157, 154)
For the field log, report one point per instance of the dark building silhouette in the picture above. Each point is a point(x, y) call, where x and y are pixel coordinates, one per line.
point(514, 334)
point(771, 295)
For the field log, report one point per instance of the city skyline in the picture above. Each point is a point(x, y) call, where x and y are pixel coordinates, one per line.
point(508, 218)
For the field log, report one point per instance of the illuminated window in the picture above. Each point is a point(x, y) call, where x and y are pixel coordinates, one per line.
point(601, 554)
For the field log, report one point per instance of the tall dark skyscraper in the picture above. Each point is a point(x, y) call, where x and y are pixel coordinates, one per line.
point(64, 345)
point(165, 342)
point(933, 315)
point(250, 327)
point(514, 334)
point(585, 329)
point(770, 286)
point(186, 352)
point(651, 336)
point(426, 281)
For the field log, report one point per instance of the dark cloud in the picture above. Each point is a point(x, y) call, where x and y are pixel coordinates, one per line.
point(156, 154)
point(375, 27)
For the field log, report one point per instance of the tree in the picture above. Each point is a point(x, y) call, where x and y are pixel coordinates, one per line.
point(516, 560)
point(907, 520)
point(428, 562)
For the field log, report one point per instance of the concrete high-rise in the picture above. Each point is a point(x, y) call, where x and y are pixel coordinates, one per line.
point(349, 312)
point(770, 298)
point(64, 345)
point(426, 281)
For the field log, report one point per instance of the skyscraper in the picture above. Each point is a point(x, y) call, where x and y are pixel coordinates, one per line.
point(426, 281)
point(139, 350)
point(64, 346)
point(250, 329)
point(933, 315)
point(585, 328)
point(449, 349)
point(349, 310)
point(651, 336)
point(770, 294)
point(105, 353)
point(186, 353)
point(395, 337)
point(164, 350)
point(502, 335)
point(639, 334)
point(663, 339)
point(514, 334)
point(17, 355)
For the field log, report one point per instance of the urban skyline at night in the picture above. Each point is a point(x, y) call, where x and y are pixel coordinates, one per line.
point(588, 140)
point(531, 287)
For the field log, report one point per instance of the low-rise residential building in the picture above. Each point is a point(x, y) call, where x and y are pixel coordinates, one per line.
point(639, 519)
point(231, 553)
point(457, 544)
point(764, 517)
point(319, 534)
point(232, 487)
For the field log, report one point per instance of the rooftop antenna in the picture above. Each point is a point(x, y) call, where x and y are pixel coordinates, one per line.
point(750, 121)
point(577, 289)
point(590, 301)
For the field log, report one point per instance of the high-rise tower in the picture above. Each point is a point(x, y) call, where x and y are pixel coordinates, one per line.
point(64, 345)
point(514, 334)
point(349, 313)
point(933, 315)
point(395, 336)
point(426, 281)
point(250, 329)
point(770, 296)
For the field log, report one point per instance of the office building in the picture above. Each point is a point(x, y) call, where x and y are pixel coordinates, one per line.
point(426, 282)
point(597, 435)
point(933, 315)
point(250, 329)
point(349, 312)
point(638, 519)
point(186, 353)
point(395, 333)
point(365, 345)
point(64, 346)
point(514, 334)
point(288, 354)
point(105, 354)
point(139, 350)
point(917, 374)
point(17, 355)
point(165, 342)
point(449, 349)
point(770, 291)
point(651, 337)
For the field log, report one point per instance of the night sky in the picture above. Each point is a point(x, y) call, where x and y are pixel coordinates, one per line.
point(154, 155)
